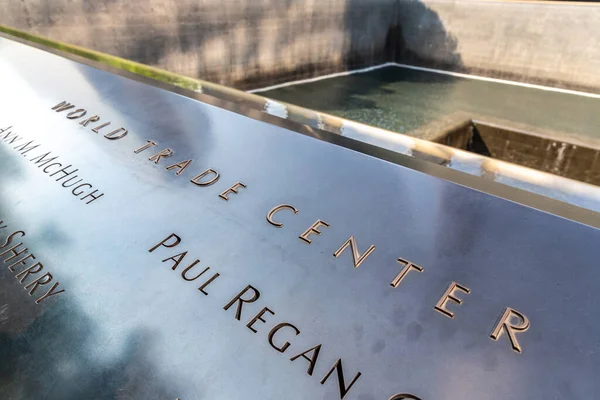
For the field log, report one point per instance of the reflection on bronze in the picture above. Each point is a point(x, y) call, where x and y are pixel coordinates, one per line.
point(62, 106)
point(86, 122)
point(170, 241)
point(449, 295)
point(275, 329)
point(408, 266)
point(276, 209)
point(357, 258)
point(240, 300)
point(312, 360)
point(511, 328)
point(258, 317)
point(181, 166)
point(76, 114)
point(197, 178)
point(314, 228)
point(116, 134)
point(340, 375)
point(148, 144)
point(232, 189)
point(163, 153)
point(97, 129)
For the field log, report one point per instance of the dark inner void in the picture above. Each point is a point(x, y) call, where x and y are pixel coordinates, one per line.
point(571, 160)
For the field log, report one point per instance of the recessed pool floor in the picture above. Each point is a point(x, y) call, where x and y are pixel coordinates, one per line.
point(406, 100)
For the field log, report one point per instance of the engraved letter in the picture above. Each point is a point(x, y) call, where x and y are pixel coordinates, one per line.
point(62, 106)
point(51, 165)
point(64, 172)
point(358, 259)
point(41, 159)
point(188, 268)
point(505, 321)
point(76, 114)
point(177, 258)
point(81, 191)
point(20, 261)
point(404, 396)
point(149, 143)
point(208, 282)
point(312, 360)
point(181, 166)
point(29, 271)
point(50, 292)
point(97, 129)
point(232, 189)
point(91, 194)
point(10, 237)
point(165, 242)
point(15, 253)
point(116, 134)
point(276, 328)
point(85, 122)
point(407, 267)
point(163, 153)
point(449, 295)
point(196, 179)
point(25, 148)
point(240, 300)
point(258, 317)
point(314, 228)
point(340, 374)
point(47, 277)
point(276, 209)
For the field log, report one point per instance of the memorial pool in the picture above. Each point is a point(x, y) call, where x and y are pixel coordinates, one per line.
point(406, 100)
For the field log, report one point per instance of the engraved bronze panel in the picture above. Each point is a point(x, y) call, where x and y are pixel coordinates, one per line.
point(334, 270)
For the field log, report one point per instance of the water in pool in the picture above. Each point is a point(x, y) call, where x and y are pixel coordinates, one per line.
point(405, 100)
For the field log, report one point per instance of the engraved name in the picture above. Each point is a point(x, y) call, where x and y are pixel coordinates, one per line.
point(239, 304)
point(30, 273)
point(49, 164)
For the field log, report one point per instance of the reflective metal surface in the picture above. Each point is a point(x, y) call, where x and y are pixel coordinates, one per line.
point(419, 315)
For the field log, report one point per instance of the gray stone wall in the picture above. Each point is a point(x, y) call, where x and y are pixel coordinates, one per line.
point(552, 43)
point(242, 43)
point(253, 43)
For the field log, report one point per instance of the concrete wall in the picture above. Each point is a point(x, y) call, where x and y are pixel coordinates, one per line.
point(243, 43)
point(553, 43)
point(253, 43)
